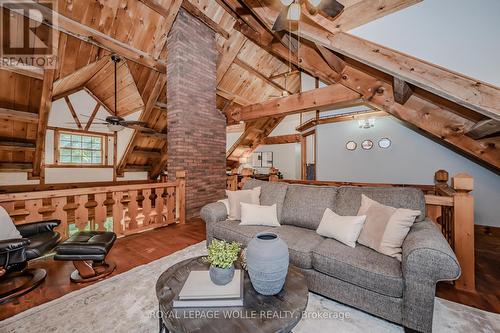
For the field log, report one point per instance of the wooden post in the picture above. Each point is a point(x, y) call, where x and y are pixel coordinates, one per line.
point(232, 180)
point(273, 174)
point(463, 217)
point(180, 197)
point(247, 173)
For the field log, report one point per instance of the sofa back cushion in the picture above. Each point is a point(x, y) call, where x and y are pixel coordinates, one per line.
point(270, 193)
point(305, 205)
point(349, 199)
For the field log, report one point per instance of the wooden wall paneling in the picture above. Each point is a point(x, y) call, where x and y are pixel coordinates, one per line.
point(231, 48)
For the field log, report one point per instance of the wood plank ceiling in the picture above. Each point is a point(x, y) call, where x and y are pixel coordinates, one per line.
point(252, 65)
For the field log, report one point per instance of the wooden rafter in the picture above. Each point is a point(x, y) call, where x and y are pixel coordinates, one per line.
point(198, 13)
point(169, 13)
point(330, 97)
point(339, 118)
point(92, 116)
point(14, 115)
point(281, 139)
point(484, 128)
point(255, 72)
point(89, 35)
point(73, 112)
point(232, 47)
point(26, 70)
point(43, 119)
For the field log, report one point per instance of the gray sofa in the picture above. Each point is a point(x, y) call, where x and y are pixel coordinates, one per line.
point(401, 292)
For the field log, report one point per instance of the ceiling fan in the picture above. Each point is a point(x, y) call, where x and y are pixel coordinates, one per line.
point(115, 123)
point(292, 11)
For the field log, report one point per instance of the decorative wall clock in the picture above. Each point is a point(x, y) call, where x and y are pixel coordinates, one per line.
point(367, 144)
point(351, 145)
point(384, 143)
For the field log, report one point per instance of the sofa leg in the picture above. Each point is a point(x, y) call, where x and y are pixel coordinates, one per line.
point(88, 271)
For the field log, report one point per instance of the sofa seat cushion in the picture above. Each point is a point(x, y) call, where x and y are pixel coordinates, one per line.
point(270, 193)
point(360, 266)
point(305, 205)
point(300, 243)
point(232, 231)
point(349, 199)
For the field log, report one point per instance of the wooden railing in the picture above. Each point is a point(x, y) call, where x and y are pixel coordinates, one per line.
point(128, 208)
point(450, 206)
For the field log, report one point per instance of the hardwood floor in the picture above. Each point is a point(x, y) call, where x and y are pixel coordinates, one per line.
point(487, 296)
point(140, 249)
point(127, 253)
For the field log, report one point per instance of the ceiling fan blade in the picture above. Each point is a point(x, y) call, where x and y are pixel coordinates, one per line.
point(84, 115)
point(281, 21)
point(331, 8)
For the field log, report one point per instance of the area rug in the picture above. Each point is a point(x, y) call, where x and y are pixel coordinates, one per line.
point(127, 303)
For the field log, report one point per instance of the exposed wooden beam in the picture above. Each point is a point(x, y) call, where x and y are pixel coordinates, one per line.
point(484, 128)
point(332, 59)
point(277, 76)
point(67, 93)
point(169, 13)
point(160, 165)
point(330, 97)
point(161, 105)
point(232, 47)
point(146, 153)
point(196, 12)
point(231, 96)
point(73, 112)
point(64, 24)
point(281, 139)
point(236, 128)
point(92, 116)
point(26, 70)
point(13, 167)
point(255, 72)
point(10, 144)
point(340, 118)
point(14, 115)
point(402, 90)
point(473, 94)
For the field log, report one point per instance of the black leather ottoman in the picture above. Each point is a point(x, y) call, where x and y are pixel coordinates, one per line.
point(88, 250)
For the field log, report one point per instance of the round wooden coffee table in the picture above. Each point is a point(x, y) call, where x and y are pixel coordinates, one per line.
point(259, 314)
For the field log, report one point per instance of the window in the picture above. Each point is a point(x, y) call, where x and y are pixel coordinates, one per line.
point(80, 149)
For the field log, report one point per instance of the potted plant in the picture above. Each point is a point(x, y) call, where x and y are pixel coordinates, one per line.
point(221, 256)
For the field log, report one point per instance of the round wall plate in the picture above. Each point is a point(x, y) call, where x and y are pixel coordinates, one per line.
point(384, 143)
point(351, 145)
point(367, 144)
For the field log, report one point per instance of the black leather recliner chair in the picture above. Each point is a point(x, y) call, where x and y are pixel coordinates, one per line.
point(38, 238)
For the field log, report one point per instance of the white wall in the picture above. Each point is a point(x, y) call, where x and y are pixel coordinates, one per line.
point(412, 158)
point(61, 117)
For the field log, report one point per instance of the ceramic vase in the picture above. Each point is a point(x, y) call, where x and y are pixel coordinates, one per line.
point(267, 263)
point(221, 276)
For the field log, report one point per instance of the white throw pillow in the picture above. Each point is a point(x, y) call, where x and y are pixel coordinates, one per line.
point(345, 229)
point(386, 227)
point(259, 215)
point(226, 203)
point(236, 197)
point(7, 228)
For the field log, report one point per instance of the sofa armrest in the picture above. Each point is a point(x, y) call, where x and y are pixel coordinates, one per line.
point(427, 255)
point(31, 229)
point(214, 212)
point(9, 245)
point(427, 258)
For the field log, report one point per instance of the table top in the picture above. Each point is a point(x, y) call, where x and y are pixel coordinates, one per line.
point(259, 313)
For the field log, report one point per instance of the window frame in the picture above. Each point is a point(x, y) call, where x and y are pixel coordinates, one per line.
point(57, 149)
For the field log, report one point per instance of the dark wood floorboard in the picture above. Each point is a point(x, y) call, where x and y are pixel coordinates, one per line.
point(127, 253)
point(135, 250)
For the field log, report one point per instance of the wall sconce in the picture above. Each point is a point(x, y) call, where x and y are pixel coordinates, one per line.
point(366, 123)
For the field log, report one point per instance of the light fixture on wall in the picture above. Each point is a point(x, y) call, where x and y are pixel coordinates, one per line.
point(366, 123)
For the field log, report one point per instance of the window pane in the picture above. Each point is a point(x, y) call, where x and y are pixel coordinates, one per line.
point(66, 159)
point(66, 137)
point(96, 146)
point(65, 152)
point(65, 144)
point(87, 145)
point(80, 149)
point(86, 139)
point(96, 139)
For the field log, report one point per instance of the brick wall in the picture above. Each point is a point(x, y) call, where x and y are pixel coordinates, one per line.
point(196, 129)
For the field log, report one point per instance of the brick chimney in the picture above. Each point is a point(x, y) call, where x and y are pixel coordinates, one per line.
point(196, 129)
